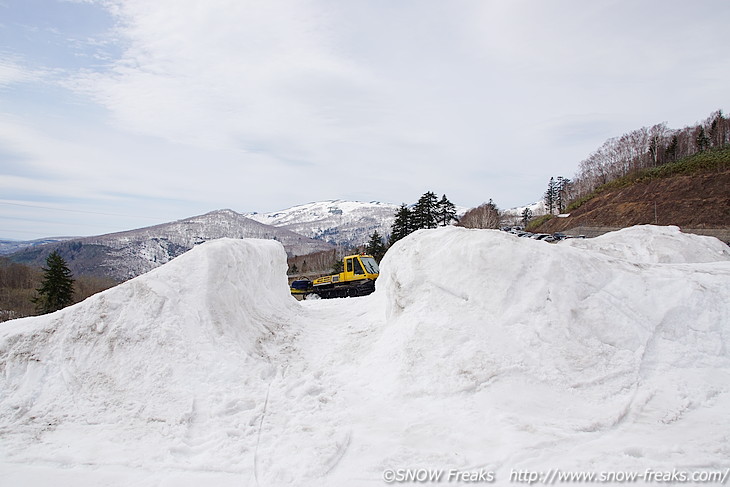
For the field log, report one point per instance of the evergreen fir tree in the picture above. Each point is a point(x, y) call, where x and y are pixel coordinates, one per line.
point(526, 216)
point(425, 211)
point(56, 291)
point(375, 246)
point(550, 196)
point(702, 140)
point(402, 225)
point(561, 193)
point(446, 212)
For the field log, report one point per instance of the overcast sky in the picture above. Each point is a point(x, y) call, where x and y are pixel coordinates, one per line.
point(118, 114)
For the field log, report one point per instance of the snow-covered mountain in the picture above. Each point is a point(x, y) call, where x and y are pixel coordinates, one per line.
point(513, 216)
point(537, 208)
point(348, 223)
point(124, 255)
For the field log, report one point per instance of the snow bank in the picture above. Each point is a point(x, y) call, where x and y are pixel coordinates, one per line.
point(655, 244)
point(478, 350)
point(170, 368)
point(557, 356)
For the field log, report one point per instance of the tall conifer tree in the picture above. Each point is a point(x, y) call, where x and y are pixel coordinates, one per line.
point(425, 211)
point(446, 212)
point(57, 288)
point(402, 225)
point(550, 195)
point(375, 246)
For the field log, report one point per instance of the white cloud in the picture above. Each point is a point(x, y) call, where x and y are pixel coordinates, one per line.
point(262, 105)
point(12, 72)
point(227, 74)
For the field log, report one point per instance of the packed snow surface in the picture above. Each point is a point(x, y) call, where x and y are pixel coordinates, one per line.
point(478, 352)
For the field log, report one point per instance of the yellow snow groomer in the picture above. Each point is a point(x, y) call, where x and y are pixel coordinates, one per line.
point(357, 279)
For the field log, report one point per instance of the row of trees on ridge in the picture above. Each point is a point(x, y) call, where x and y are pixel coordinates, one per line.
point(431, 212)
point(427, 212)
point(645, 148)
point(635, 151)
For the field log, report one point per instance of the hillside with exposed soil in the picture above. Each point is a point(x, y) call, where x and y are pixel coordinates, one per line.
point(692, 194)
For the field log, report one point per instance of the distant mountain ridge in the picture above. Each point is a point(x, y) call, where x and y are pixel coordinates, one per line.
point(124, 255)
point(11, 246)
point(339, 222)
point(302, 230)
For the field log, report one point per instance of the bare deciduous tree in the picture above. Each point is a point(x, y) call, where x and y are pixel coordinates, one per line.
point(483, 216)
point(645, 148)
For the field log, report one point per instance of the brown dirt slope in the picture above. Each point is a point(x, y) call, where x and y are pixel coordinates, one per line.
point(699, 200)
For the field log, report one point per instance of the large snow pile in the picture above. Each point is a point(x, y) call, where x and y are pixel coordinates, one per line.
point(479, 352)
point(168, 369)
point(551, 356)
point(654, 244)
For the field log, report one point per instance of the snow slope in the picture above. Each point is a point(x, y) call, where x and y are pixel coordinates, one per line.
point(562, 357)
point(478, 351)
point(339, 222)
point(513, 216)
point(161, 370)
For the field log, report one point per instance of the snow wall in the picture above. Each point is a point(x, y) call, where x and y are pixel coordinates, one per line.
point(580, 318)
point(126, 376)
point(478, 350)
point(578, 354)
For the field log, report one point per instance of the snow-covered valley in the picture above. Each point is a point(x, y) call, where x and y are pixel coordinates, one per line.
point(478, 352)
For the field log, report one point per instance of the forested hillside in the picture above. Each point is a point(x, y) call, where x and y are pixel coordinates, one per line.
point(18, 284)
point(651, 175)
point(691, 193)
point(646, 148)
